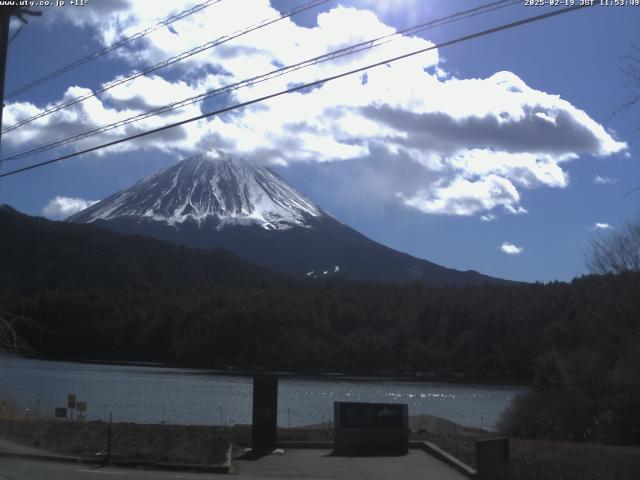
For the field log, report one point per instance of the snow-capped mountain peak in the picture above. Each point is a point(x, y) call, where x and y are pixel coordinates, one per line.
point(211, 187)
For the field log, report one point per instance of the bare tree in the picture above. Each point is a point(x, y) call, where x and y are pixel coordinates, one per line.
point(10, 339)
point(616, 251)
point(631, 68)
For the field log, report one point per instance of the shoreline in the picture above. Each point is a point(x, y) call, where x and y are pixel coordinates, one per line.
point(364, 376)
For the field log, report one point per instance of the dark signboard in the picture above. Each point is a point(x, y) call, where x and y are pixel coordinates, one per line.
point(265, 413)
point(371, 428)
point(371, 415)
point(71, 400)
point(492, 459)
point(61, 412)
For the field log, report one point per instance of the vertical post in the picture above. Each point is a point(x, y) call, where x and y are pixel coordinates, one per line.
point(492, 459)
point(289, 417)
point(264, 431)
point(456, 437)
point(109, 436)
point(5, 19)
point(221, 422)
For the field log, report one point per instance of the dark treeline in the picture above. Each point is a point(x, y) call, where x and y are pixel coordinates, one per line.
point(489, 331)
point(37, 254)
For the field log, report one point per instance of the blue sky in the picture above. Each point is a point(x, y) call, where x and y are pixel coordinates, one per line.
point(500, 154)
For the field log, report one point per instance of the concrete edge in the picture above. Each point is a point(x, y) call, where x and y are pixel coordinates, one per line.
point(295, 444)
point(51, 458)
point(302, 444)
point(184, 467)
point(440, 454)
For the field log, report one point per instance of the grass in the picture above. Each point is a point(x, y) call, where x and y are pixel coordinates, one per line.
point(538, 459)
point(194, 444)
point(10, 409)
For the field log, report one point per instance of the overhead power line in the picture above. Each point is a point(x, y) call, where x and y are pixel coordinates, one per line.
point(356, 48)
point(164, 23)
point(167, 62)
point(462, 39)
point(16, 33)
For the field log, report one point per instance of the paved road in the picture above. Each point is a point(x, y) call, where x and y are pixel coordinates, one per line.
point(21, 469)
point(320, 465)
point(298, 464)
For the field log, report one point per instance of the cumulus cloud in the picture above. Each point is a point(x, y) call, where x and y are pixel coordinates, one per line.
point(602, 180)
point(61, 207)
point(602, 226)
point(477, 142)
point(511, 249)
point(464, 197)
point(134, 98)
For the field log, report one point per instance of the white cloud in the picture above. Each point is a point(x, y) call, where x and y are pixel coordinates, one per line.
point(133, 98)
point(511, 249)
point(479, 141)
point(62, 207)
point(464, 197)
point(602, 226)
point(489, 217)
point(601, 180)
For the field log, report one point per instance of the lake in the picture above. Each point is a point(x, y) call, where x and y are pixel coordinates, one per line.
point(185, 396)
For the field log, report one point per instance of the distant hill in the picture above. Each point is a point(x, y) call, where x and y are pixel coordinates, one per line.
point(38, 254)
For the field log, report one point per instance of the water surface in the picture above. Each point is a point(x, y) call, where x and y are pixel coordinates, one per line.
point(149, 394)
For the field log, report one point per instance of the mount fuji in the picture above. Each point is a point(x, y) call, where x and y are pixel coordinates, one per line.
point(210, 201)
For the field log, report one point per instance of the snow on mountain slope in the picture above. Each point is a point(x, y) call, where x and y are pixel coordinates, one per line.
point(202, 187)
point(212, 201)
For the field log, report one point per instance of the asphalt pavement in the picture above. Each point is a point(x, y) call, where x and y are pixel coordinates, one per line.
point(24, 469)
point(295, 463)
point(322, 464)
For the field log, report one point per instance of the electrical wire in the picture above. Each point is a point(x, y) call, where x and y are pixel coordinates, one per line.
point(110, 48)
point(356, 48)
point(167, 62)
point(462, 39)
point(16, 33)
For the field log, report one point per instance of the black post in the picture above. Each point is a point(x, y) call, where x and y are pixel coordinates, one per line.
point(6, 13)
point(108, 457)
point(5, 19)
point(264, 431)
point(492, 459)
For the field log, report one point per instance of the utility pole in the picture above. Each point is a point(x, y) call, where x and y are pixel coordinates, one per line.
point(5, 19)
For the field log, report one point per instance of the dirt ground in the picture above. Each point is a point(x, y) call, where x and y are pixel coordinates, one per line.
point(194, 444)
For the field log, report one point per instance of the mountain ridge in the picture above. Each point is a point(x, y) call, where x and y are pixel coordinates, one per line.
point(209, 202)
point(201, 187)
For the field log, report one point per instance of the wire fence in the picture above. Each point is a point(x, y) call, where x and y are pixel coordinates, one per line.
point(289, 417)
point(161, 413)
